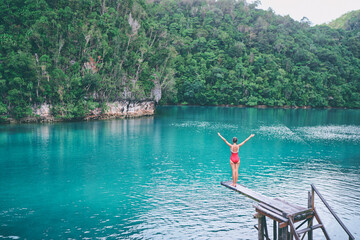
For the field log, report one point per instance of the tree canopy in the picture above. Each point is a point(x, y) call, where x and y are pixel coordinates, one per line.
point(229, 52)
point(77, 55)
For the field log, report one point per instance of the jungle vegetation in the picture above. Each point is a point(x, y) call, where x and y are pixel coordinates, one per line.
point(76, 55)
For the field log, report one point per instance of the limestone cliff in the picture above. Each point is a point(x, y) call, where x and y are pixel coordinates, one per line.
point(122, 109)
point(118, 109)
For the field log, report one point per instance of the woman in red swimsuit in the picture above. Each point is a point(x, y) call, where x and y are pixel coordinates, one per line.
point(234, 159)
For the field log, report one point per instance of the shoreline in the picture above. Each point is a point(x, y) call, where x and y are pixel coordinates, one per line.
point(262, 106)
point(126, 109)
point(115, 110)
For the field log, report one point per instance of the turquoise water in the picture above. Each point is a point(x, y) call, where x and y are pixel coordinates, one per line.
point(159, 177)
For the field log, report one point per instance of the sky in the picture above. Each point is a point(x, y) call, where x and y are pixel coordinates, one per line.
point(317, 11)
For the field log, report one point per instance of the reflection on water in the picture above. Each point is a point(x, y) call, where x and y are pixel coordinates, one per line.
point(158, 177)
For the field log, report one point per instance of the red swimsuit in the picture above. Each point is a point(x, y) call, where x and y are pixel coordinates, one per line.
point(235, 157)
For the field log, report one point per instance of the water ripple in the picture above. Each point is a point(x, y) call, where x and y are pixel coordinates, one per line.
point(160, 178)
point(331, 132)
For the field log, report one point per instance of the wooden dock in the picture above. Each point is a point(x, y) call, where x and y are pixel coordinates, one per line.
point(283, 208)
point(283, 214)
point(275, 208)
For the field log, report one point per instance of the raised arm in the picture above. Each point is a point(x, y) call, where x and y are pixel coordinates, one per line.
point(224, 140)
point(246, 140)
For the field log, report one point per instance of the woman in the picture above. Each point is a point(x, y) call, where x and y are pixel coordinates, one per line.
point(234, 159)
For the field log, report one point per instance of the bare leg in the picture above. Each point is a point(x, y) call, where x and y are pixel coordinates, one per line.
point(233, 168)
point(236, 172)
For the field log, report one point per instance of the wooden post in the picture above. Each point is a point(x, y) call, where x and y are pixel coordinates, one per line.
point(283, 233)
point(312, 198)
point(265, 228)
point(261, 224)
point(274, 230)
point(261, 227)
point(310, 221)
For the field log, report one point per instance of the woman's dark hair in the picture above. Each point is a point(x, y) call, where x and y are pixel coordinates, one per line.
point(234, 140)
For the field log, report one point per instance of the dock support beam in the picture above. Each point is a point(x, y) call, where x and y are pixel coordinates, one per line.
point(310, 221)
point(261, 227)
point(283, 233)
point(286, 215)
point(275, 230)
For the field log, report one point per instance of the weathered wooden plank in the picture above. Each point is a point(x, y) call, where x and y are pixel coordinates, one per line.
point(284, 224)
point(247, 192)
point(271, 208)
point(316, 226)
point(255, 195)
point(270, 214)
point(296, 208)
point(274, 214)
point(298, 216)
point(280, 205)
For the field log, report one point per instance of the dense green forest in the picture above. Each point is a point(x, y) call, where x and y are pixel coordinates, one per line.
point(348, 21)
point(76, 55)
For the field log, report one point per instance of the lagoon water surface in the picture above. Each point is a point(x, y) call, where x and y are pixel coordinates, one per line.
point(159, 177)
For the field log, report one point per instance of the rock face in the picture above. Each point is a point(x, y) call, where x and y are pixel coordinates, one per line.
point(122, 109)
point(43, 110)
point(40, 113)
point(118, 109)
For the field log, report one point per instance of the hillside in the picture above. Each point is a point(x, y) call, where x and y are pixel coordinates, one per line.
point(348, 21)
point(229, 52)
point(77, 55)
